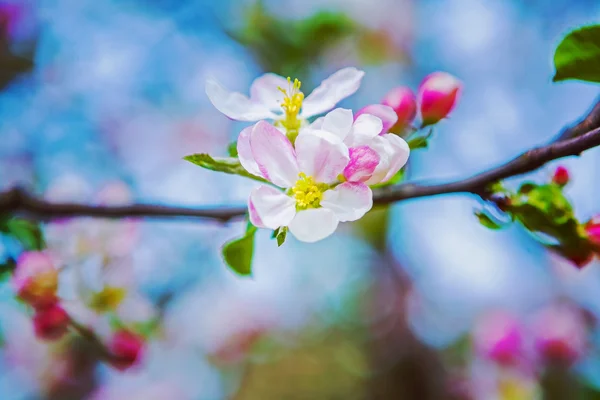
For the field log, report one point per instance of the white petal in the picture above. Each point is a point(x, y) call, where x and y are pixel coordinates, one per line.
point(264, 90)
point(365, 128)
point(274, 154)
point(385, 113)
point(393, 152)
point(317, 123)
point(339, 122)
point(349, 201)
point(253, 215)
point(313, 224)
point(321, 155)
point(236, 105)
point(245, 152)
point(338, 86)
point(272, 207)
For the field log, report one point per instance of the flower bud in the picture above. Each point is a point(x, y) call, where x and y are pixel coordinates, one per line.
point(592, 230)
point(402, 100)
point(35, 279)
point(50, 323)
point(126, 348)
point(561, 176)
point(437, 96)
point(560, 335)
point(385, 113)
point(499, 337)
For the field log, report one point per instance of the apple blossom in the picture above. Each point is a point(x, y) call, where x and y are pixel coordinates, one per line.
point(402, 100)
point(386, 114)
point(498, 336)
point(274, 97)
point(437, 96)
point(127, 348)
point(51, 322)
point(35, 278)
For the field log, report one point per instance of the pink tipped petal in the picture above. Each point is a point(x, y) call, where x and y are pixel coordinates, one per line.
point(270, 208)
point(236, 105)
point(365, 128)
point(321, 155)
point(313, 224)
point(274, 154)
point(245, 152)
point(264, 90)
point(349, 201)
point(398, 156)
point(332, 90)
point(363, 161)
point(385, 113)
point(338, 122)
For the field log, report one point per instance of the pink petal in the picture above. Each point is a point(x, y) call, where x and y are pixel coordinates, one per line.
point(270, 208)
point(386, 114)
point(332, 90)
point(321, 155)
point(338, 122)
point(364, 129)
point(349, 201)
point(264, 90)
point(313, 224)
point(245, 152)
point(235, 105)
point(274, 154)
point(393, 152)
point(363, 161)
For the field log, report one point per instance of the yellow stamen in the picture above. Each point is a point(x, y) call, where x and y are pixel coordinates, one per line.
point(292, 103)
point(108, 299)
point(307, 192)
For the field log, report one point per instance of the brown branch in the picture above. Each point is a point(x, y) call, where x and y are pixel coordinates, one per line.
point(570, 142)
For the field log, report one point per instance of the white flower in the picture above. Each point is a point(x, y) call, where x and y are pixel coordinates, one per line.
point(312, 203)
point(274, 97)
point(375, 156)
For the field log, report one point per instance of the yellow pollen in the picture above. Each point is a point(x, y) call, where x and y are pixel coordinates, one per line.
point(108, 299)
point(307, 192)
point(292, 103)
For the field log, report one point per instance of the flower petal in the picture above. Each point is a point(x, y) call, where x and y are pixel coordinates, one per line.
point(393, 152)
point(313, 224)
point(386, 114)
point(338, 122)
point(274, 154)
point(338, 86)
point(270, 208)
point(363, 161)
point(236, 105)
point(321, 155)
point(264, 90)
point(365, 128)
point(349, 201)
point(245, 152)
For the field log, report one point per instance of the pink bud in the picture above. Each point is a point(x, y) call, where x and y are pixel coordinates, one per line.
point(50, 323)
point(403, 102)
point(437, 96)
point(126, 348)
point(561, 176)
point(499, 337)
point(560, 335)
point(385, 113)
point(592, 229)
point(35, 279)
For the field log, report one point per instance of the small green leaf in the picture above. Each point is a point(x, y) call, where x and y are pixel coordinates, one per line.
point(487, 221)
point(229, 165)
point(578, 55)
point(281, 235)
point(232, 149)
point(526, 187)
point(238, 253)
point(28, 233)
point(419, 142)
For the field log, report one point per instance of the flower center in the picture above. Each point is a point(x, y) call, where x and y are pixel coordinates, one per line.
point(108, 299)
point(292, 103)
point(307, 192)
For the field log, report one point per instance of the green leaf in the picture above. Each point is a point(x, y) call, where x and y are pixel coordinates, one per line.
point(419, 142)
point(281, 235)
point(578, 55)
point(487, 221)
point(526, 187)
point(229, 165)
point(7, 268)
point(28, 233)
point(238, 253)
point(232, 149)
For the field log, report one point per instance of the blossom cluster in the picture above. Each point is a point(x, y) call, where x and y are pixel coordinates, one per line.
point(320, 171)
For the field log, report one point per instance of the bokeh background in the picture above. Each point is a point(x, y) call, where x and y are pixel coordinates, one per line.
point(99, 102)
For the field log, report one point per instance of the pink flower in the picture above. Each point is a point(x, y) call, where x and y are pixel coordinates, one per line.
point(126, 348)
point(560, 335)
point(437, 96)
point(50, 323)
point(274, 97)
point(374, 157)
point(312, 204)
point(561, 176)
point(499, 337)
point(402, 100)
point(36, 279)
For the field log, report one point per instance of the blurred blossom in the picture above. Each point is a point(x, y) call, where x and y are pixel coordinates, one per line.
point(498, 336)
point(36, 278)
point(127, 348)
point(50, 322)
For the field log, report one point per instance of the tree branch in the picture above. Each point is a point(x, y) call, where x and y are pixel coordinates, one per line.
point(571, 141)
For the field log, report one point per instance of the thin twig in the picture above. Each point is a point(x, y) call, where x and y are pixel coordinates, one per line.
point(571, 141)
